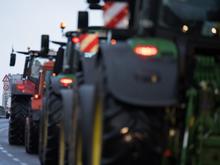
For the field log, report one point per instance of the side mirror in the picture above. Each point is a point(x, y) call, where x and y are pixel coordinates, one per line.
point(93, 1)
point(45, 44)
point(59, 61)
point(12, 59)
point(83, 20)
point(94, 4)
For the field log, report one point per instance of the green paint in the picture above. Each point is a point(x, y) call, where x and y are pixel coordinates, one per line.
point(62, 75)
point(165, 47)
point(65, 75)
point(203, 147)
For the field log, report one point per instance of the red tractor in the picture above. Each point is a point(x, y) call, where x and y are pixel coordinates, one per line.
point(23, 90)
point(33, 116)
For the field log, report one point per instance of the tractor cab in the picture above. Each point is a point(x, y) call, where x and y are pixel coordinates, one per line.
point(24, 89)
point(78, 51)
point(165, 18)
point(33, 65)
point(195, 18)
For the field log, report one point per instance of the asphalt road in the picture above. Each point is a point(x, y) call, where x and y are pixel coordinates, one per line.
point(13, 155)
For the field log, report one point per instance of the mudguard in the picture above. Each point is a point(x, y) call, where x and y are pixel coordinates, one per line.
point(67, 100)
point(88, 66)
point(14, 91)
point(55, 82)
point(29, 90)
point(144, 82)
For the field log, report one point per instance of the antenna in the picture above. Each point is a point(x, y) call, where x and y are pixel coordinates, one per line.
point(12, 49)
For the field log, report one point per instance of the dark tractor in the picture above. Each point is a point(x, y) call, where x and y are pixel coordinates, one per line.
point(51, 114)
point(161, 72)
point(83, 70)
point(22, 91)
point(77, 69)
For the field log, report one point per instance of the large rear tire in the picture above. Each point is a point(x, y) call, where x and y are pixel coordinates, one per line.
point(43, 131)
point(7, 116)
point(133, 135)
point(51, 128)
point(19, 110)
point(31, 136)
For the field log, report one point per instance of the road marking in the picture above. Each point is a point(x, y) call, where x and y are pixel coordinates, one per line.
point(16, 159)
point(2, 129)
point(9, 155)
point(23, 163)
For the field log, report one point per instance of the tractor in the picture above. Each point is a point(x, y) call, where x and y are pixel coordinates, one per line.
point(21, 93)
point(83, 69)
point(77, 67)
point(33, 116)
point(155, 99)
point(51, 114)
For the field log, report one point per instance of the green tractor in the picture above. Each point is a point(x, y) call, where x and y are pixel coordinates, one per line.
point(155, 96)
point(73, 67)
point(63, 78)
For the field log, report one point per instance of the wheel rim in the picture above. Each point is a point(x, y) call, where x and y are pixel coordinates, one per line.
point(79, 149)
point(97, 135)
point(78, 137)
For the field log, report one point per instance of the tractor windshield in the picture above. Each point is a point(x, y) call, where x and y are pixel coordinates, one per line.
point(48, 74)
point(36, 67)
point(191, 15)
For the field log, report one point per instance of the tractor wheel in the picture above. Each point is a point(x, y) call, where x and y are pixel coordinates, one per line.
point(19, 111)
point(42, 132)
point(31, 136)
point(73, 128)
point(132, 134)
point(88, 137)
point(52, 128)
point(63, 145)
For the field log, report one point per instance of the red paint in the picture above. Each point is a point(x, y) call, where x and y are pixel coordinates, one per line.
point(117, 18)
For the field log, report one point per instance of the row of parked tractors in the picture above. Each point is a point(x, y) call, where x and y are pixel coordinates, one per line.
point(143, 89)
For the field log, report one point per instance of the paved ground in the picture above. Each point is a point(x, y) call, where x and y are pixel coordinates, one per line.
point(13, 155)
